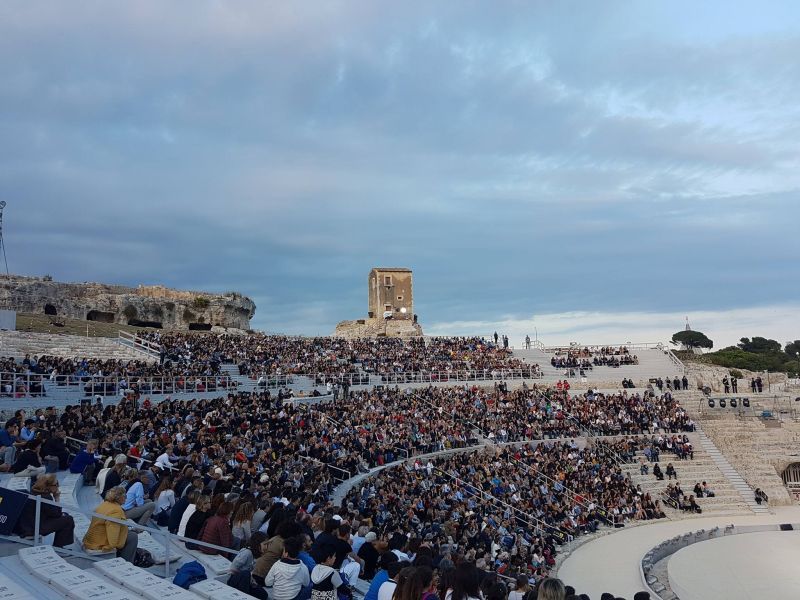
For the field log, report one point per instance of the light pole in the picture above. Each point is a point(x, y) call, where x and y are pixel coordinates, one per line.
point(2, 243)
point(797, 354)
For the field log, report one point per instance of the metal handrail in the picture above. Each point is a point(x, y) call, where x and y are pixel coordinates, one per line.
point(675, 360)
point(96, 385)
point(540, 524)
point(154, 531)
point(138, 343)
point(634, 346)
point(526, 371)
point(329, 465)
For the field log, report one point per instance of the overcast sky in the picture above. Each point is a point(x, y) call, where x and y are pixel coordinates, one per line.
point(594, 170)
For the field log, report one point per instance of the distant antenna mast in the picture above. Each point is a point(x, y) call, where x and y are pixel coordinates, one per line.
point(688, 327)
point(2, 243)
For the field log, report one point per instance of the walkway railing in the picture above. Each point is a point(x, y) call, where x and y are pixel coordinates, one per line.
point(142, 345)
point(675, 360)
point(31, 385)
point(597, 347)
point(272, 381)
point(160, 534)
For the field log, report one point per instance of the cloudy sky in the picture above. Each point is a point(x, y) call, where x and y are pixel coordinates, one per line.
point(595, 171)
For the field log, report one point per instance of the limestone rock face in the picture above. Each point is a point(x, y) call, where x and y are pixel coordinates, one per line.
point(143, 305)
point(364, 328)
point(711, 376)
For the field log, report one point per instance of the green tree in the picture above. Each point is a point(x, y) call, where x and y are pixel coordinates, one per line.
point(759, 345)
point(692, 339)
point(792, 348)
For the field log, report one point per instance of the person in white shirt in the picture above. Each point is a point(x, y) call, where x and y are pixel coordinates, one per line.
point(522, 588)
point(289, 575)
point(386, 591)
point(165, 500)
point(190, 510)
point(163, 461)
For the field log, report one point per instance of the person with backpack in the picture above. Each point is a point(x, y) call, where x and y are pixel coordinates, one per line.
point(326, 583)
point(289, 576)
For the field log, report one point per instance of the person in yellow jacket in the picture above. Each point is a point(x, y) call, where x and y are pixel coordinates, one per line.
point(106, 535)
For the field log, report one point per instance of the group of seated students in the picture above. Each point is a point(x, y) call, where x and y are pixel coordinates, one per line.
point(247, 472)
point(587, 358)
point(107, 377)
point(265, 356)
point(703, 491)
point(675, 497)
point(507, 509)
point(18, 381)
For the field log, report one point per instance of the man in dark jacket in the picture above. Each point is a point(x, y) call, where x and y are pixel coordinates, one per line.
point(114, 476)
point(56, 446)
point(86, 458)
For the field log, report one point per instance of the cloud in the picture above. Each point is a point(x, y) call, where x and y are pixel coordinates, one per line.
point(724, 327)
point(528, 158)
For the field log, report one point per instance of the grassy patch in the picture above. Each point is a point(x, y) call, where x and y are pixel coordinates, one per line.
point(46, 324)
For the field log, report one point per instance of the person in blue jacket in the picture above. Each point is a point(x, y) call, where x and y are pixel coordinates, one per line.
point(85, 458)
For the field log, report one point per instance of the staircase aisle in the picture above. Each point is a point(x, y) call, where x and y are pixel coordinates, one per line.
point(736, 480)
point(245, 383)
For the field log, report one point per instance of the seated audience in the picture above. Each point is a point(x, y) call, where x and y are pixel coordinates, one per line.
point(136, 506)
point(287, 577)
point(52, 519)
point(107, 536)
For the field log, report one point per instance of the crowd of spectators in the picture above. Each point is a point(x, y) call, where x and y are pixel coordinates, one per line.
point(254, 473)
point(583, 359)
point(259, 355)
point(109, 376)
point(506, 508)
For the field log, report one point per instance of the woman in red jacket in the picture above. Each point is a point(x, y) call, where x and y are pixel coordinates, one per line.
point(217, 530)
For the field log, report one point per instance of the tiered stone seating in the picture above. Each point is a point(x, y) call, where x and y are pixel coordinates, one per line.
point(215, 565)
point(756, 448)
point(19, 484)
point(69, 487)
point(43, 563)
point(156, 549)
point(755, 451)
point(215, 590)
point(9, 590)
point(703, 468)
point(140, 582)
point(653, 362)
point(18, 344)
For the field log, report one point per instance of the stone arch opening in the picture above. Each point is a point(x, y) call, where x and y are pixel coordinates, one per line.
point(140, 323)
point(791, 474)
point(100, 316)
point(199, 326)
point(51, 310)
point(791, 479)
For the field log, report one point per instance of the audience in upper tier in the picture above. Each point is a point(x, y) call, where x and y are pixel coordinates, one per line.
point(253, 473)
point(261, 355)
point(191, 362)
